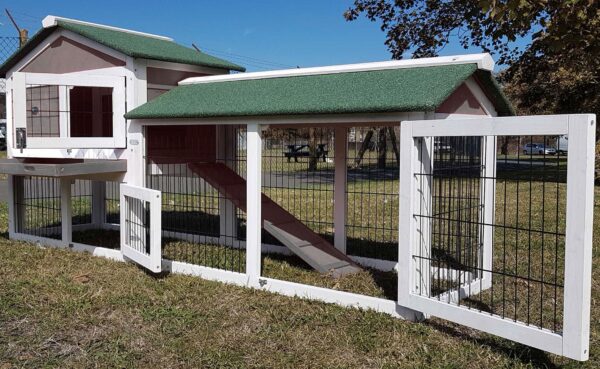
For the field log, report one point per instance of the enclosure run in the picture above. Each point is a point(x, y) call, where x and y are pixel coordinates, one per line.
point(399, 186)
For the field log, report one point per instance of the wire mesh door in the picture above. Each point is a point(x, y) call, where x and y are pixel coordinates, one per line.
point(141, 226)
point(496, 226)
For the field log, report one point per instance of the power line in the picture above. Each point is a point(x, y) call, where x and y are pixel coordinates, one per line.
point(250, 58)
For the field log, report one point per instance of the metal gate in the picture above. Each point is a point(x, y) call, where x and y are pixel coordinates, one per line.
point(141, 226)
point(496, 226)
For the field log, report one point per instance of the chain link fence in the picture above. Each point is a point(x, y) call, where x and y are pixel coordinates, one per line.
point(8, 46)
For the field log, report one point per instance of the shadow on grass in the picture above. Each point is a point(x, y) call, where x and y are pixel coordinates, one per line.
point(527, 355)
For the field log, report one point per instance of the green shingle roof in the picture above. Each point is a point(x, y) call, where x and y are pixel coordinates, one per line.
point(134, 45)
point(395, 90)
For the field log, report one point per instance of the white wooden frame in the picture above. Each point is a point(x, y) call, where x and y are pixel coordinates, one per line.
point(573, 341)
point(22, 80)
point(151, 261)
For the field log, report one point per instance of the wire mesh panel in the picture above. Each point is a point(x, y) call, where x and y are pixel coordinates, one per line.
point(37, 206)
point(201, 225)
point(372, 192)
point(8, 46)
point(298, 173)
point(140, 226)
point(81, 201)
point(487, 222)
point(527, 266)
point(111, 202)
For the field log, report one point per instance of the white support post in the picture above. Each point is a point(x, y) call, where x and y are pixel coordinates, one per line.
point(63, 108)
point(226, 148)
point(406, 220)
point(15, 197)
point(253, 201)
point(578, 242)
point(98, 203)
point(340, 201)
point(488, 198)
point(66, 211)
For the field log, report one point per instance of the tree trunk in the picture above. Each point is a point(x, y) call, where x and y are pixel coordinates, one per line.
point(381, 148)
point(505, 143)
point(312, 149)
point(394, 144)
point(363, 147)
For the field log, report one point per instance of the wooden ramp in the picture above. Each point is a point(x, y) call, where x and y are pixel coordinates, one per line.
point(301, 240)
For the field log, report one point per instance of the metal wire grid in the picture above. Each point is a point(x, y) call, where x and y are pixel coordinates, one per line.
point(197, 225)
point(112, 203)
point(37, 206)
point(298, 174)
point(81, 201)
point(137, 224)
point(44, 111)
point(372, 192)
point(528, 229)
point(8, 46)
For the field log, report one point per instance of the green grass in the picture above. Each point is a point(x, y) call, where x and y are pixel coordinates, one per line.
point(61, 309)
point(69, 310)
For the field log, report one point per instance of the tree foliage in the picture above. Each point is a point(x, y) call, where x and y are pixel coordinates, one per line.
point(557, 72)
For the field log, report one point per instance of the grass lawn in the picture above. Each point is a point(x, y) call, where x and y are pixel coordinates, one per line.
point(63, 309)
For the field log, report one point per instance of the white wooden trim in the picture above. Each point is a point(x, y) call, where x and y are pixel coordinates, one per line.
point(493, 126)
point(253, 200)
point(98, 203)
point(184, 67)
point(519, 332)
point(66, 211)
point(52, 20)
point(578, 241)
point(487, 198)
point(406, 221)
point(312, 120)
point(573, 341)
point(150, 261)
point(340, 201)
point(341, 298)
point(117, 83)
point(483, 61)
point(19, 102)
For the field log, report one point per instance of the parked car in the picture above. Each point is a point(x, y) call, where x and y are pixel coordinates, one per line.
point(441, 147)
point(562, 144)
point(2, 134)
point(538, 148)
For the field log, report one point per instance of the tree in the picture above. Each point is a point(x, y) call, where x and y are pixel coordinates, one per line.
point(558, 72)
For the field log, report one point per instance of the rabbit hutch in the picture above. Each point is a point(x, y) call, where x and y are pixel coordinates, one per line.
point(399, 186)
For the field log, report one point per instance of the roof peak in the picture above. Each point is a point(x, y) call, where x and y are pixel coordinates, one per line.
point(52, 21)
point(484, 61)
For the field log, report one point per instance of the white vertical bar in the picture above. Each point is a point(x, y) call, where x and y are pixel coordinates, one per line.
point(13, 212)
point(226, 154)
point(98, 203)
point(424, 203)
point(406, 220)
point(578, 242)
point(19, 100)
point(253, 201)
point(488, 198)
point(155, 231)
point(340, 201)
point(63, 108)
point(10, 130)
point(66, 210)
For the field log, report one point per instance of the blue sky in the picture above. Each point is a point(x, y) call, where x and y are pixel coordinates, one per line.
point(260, 35)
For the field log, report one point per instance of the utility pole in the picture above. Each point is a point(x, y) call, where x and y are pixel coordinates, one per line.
point(22, 32)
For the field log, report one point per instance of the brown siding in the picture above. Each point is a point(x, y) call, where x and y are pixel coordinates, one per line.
point(66, 56)
point(462, 101)
point(169, 77)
